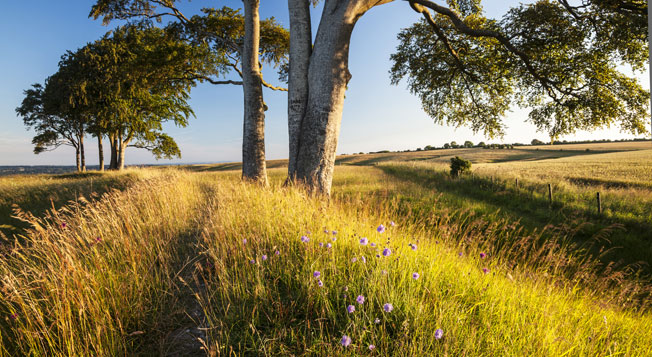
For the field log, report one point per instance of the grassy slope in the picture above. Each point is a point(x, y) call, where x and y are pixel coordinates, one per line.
point(67, 292)
point(38, 193)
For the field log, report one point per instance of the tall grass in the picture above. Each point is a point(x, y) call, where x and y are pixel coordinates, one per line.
point(258, 302)
point(116, 278)
point(87, 276)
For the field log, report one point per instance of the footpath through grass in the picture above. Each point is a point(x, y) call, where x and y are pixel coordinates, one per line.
point(115, 280)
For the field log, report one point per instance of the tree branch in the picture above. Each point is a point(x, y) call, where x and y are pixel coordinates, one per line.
point(549, 85)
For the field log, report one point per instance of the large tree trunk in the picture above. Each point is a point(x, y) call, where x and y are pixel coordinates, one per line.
point(100, 150)
point(113, 143)
point(300, 51)
point(83, 153)
point(328, 75)
point(253, 138)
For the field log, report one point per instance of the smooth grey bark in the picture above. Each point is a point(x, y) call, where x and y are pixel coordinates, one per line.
point(253, 138)
point(120, 153)
point(328, 76)
point(100, 150)
point(83, 153)
point(300, 51)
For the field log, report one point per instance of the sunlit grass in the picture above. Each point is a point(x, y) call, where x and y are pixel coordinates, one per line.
point(115, 279)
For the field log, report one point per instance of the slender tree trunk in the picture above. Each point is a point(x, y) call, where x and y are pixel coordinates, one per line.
point(253, 138)
point(649, 39)
point(120, 165)
point(83, 153)
point(100, 150)
point(300, 51)
point(113, 143)
point(77, 159)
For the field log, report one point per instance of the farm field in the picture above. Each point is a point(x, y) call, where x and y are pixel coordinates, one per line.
point(193, 261)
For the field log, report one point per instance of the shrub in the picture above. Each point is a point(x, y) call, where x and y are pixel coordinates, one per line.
point(460, 166)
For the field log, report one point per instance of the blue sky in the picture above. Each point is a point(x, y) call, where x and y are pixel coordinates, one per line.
point(377, 116)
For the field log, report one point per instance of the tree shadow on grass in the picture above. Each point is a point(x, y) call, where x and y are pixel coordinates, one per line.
point(529, 205)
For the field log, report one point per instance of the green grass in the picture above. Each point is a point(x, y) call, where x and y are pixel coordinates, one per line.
point(170, 257)
point(38, 193)
point(158, 265)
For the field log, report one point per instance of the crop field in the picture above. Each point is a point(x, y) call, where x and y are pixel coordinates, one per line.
point(402, 260)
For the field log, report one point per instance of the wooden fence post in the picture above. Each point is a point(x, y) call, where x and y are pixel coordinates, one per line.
point(550, 193)
point(517, 184)
point(599, 203)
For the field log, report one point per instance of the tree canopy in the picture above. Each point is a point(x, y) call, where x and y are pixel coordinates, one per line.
point(564, 62)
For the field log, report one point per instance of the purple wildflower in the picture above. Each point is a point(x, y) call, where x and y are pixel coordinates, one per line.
point(329, 246)
point(377, 321)
point(482, 255)
point(321, 244)
point(354, 260)
point(320, 283)
point(381, 229)
point(252, 261)
point(377, 255)
point(334, 232)
point(485, 270)
point(264, 257)
point(364, 241)
point(364, 260)
point(244, 241)
point(277, 253)
point(387, 252)
point(439, 333)
point(13, 316)
point(326, 231)
point(413, 246)
point(316, 274)
point(350, 309)
point(373, 245)
point(388, 307)
point(346, 341)
point(372, 347)
point(334, 239)
point(360, 299)
point(392, 223)
point(415, 276)
point(460, 254)
point(98, 239)
point(305, 239)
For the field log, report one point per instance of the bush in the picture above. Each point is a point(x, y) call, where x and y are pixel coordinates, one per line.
point(460, 166)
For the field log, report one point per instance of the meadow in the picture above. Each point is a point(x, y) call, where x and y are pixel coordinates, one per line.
point(402, 260)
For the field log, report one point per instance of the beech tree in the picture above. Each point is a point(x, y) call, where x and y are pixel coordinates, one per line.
point(558, 56)
point(53, 128)
point(240, 42)
point(139, 82)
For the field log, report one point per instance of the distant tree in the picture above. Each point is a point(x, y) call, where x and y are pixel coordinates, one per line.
point(460, 166)
point(53, 128)
point(428, 147)
point(468, 144)
point(138, 81)
point(454, 145)
point(481, 144)
point(537, 142)
point(447, 146)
